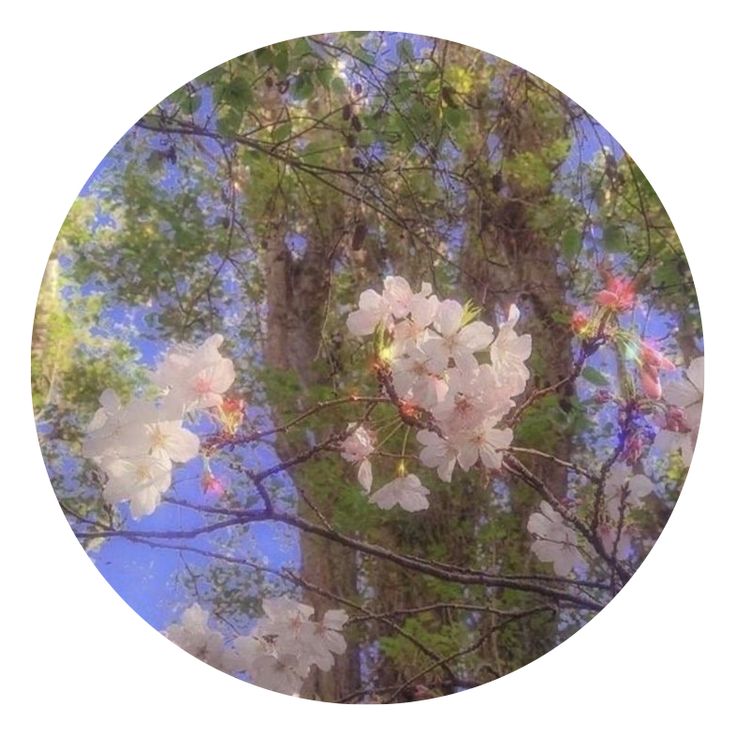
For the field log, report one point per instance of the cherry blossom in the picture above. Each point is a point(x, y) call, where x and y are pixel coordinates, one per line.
point(163, 435)
point(195, 636)
point(473, 396)
point(356, 448)
point(614, 539)
point(142, 480)
point(484, 443)
point(509, 352)
point(435, 353)
point(105, 431)
point(280, 651)
point(414, 379)
point(555, 541)
point(579, 322)
point(398, 294)
point(327, 639)
point(652, 362)
point(195, 378)
point(455, 341)
point(373, 310)
point(680, 431)
point(407, 491)
point(437, 453)
point(618, 295)
point(623, 489)
point(212, 485)
point(413, 331)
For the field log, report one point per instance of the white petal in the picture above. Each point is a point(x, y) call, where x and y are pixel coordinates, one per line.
point(365, 475)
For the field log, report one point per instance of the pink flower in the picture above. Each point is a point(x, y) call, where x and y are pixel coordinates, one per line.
point(579, 321)
point(618, 295)
point(212, 485)
point(652, 362)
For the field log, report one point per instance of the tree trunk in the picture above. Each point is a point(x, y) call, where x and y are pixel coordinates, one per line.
point(296, 288)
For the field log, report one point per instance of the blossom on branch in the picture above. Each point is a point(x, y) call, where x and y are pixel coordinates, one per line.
point(445, 365)
point(195, 636)
point(509, 352)
point(195, 378)
point(618, 295)
point(555, 541)
point(685, 397)
point(284, 645)
point(142, 480)
point(137, 444)
point(356, 448)
point(623, 490)
point(407, 491)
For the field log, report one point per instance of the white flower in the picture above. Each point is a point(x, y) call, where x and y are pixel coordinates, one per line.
point(508, 353)
point(141, 480)
point(326, 639)
point(396, 301)
point(610, 537)
point(406, 491)
point(398, 295)
point(437, 453)
point(267, 668)
point(413, 330)
point(284, 645)
point(455, 341)
point(623, 489)
point(356, 449)
point(484, 443)
point(412, 377)
point(277, 672)
point(195, 636)
point(161, 432)
point(687, 394)
point(473, 397)
point(195, 378)
point(555, 542)
point(105, 431)
point(373, 310)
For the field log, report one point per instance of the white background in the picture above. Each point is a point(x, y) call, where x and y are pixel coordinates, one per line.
point(76, 658)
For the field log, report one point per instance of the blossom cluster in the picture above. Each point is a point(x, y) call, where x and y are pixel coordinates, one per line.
point(557, 542)
point(677, 403)
point(447, 364)
point(684, 399)
point(137, 444)
point(280, 651)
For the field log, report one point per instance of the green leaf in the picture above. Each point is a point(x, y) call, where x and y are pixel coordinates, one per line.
point(237, 93)
point(338, 86)
point(613, 238)
point(303, 88)
point(455, 117)
point(282, 132)
point(191, 104)
point(302, 48)
point(281, 59)
point(405, 50)
point(264, 56)
point(594, 376)
point(229, 123)
point(571, 243)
